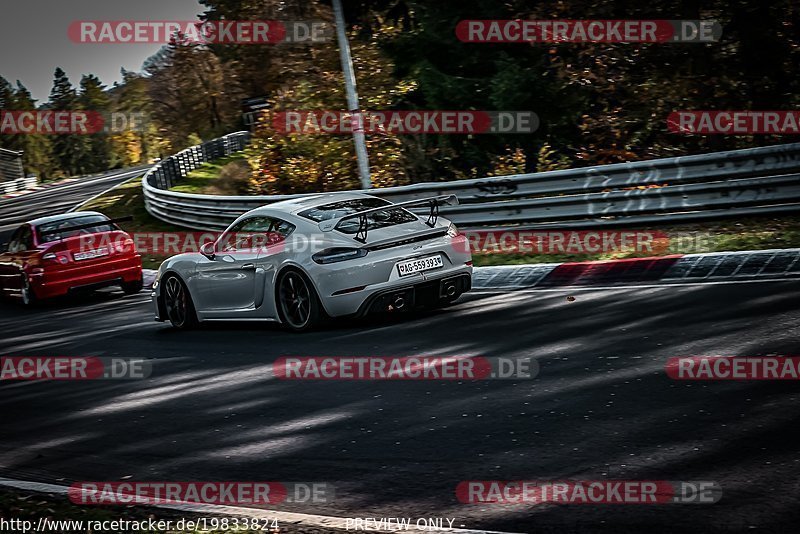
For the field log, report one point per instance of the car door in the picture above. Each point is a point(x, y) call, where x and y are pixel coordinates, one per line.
point(271, 254)
point(226, 283)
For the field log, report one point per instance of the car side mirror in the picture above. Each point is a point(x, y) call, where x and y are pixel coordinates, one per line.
point(208, 251)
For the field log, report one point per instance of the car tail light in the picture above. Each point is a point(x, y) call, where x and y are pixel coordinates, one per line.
point(332, 255)
point(60, 258)
point(452, 230)
point(125, 246)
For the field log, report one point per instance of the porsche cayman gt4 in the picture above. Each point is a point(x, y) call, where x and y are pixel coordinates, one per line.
point(302, 260)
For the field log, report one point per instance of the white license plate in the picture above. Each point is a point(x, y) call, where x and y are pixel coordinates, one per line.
point(408, 267)
point(89, 254)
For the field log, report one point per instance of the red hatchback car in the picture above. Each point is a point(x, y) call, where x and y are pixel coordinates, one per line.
point(52, 256)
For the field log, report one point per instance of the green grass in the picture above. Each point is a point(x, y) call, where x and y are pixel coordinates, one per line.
point(752, 233)
point(203, 179)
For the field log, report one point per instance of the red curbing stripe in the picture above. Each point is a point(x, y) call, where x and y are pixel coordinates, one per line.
point(623, 260)
point(609, 271)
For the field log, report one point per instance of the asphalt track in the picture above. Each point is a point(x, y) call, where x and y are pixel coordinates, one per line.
point(601, 407)
point(56, 199)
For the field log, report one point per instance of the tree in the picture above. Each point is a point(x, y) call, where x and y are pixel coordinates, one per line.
point(597, 102)
point(94, 99)
point(36, 148)
point(37, 157)
point(71, 151)
point(8, 103)
point(143, 141)
point(192, 91)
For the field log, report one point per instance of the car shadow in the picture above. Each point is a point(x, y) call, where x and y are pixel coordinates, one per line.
point(335, 324)
point(71, 300)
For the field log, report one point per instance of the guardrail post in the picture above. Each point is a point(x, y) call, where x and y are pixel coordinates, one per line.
point(172, 171)
point(158, 173)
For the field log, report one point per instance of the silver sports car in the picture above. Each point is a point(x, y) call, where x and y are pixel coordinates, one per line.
point(330, 255)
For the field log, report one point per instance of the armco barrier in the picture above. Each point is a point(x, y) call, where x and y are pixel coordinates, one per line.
point(720, 184)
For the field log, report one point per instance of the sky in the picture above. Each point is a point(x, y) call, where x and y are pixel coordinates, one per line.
point(34, 41)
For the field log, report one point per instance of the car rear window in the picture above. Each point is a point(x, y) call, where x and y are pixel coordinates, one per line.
point(380, 219)
point(102, 226)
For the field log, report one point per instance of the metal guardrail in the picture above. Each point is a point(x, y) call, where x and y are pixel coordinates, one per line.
point(720, 184)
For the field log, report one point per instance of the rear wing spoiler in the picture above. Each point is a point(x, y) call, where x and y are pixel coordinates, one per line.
point(85, 226)
point(432, 203)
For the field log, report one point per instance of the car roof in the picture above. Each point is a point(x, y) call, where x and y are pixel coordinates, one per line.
point(294, 205)
point(62, 217)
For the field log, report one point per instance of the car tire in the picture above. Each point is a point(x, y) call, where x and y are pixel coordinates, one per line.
point(299, 307)
point(27, 293)
point(131, 288)
point(178, 304)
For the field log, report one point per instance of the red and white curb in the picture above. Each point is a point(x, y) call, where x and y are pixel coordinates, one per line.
point(39, 187)
point(24, 191)
point(694, 268)
point(293, 518)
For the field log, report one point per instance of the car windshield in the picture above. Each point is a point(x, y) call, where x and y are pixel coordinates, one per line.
point(380, 219)
point(44, 230)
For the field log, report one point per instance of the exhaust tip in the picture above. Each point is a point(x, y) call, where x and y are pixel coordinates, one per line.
point(399, 302)
point(450, 290)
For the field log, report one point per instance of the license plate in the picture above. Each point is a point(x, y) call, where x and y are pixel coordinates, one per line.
point(89, 254)
point(409, 267)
